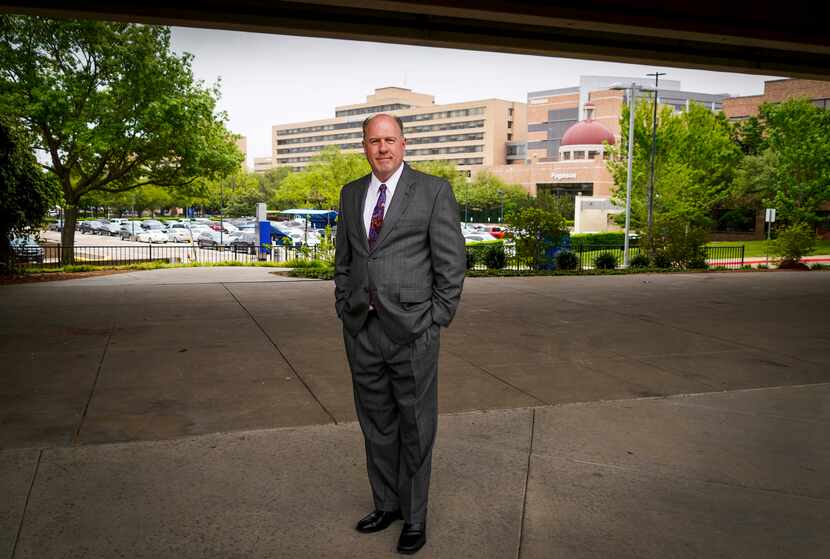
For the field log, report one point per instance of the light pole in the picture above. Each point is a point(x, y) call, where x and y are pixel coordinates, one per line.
point(501, 211)
point(632, 88)
point(653, 154)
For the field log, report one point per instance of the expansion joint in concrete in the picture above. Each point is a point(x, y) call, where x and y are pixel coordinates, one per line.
point(527, 481)
point(284, 357)
point(26, 504)
point(77, 436)
point(501, 380)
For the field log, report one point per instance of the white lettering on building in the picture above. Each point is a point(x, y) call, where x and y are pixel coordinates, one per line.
point(563, 176)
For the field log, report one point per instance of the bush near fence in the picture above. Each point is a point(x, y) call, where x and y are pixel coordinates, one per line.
point(587, 257)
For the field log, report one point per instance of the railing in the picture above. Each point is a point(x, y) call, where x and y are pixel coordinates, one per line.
point(486, 257)
point(116, 255)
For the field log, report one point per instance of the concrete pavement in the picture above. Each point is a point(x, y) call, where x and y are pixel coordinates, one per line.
point(192, 413)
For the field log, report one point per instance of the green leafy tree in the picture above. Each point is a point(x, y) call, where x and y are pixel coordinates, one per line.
point(318, 186)
point(488, 191)
point(535, 231)
point(112, 106)
point(26, 192)
point(798, 138)
point(445, 170)
point(695, 165)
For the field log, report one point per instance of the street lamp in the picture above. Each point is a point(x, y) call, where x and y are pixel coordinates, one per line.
point(501, 211)
point(631, 89)
point(653, 154)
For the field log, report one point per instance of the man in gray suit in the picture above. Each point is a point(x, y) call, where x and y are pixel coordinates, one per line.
point(399, 270)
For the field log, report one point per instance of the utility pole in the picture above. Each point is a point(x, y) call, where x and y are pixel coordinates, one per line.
point(653, 154)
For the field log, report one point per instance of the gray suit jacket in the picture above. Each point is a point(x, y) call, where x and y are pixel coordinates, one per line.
point(416, 270)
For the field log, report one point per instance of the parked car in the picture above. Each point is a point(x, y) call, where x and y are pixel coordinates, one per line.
point(26, 249)
point(89, 226)
point(153, 224)
point(108, 227)
point(129, 230)
point(228, 227)
point(179, 232)
point(478, 237)
point(497, 231)
point(245, 242)
point(56, 225)
point(152, 236)
point(212, 239)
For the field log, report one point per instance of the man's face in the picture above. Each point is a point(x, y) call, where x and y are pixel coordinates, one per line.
point(384, 146)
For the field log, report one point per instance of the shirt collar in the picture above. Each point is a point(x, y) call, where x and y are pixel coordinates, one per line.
point(391, 183)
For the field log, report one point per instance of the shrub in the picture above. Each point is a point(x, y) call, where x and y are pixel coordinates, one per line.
point(639, 261)
point(606, 261)
point(494, 257)
point(473, 257)
point(567, 260)
point(794, 242)
point(697, 263)
point(614, 238)
point(661, 260)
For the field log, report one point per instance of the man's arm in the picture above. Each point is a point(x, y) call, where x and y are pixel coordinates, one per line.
point(342, 260)
point(449, 260)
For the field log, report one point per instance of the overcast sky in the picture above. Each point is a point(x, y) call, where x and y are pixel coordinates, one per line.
point(277, 79)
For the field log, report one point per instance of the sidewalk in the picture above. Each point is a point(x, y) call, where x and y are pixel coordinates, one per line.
point(191, 413)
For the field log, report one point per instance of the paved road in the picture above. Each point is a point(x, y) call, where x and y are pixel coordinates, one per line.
point(208, 413)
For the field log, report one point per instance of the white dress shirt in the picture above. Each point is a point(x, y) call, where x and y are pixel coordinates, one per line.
point(372, 196)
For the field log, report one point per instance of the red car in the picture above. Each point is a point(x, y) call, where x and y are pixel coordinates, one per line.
point(496, 231)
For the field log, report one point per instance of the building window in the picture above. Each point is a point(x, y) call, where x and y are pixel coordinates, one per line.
point(593, 154)
point(509, 136)
point(579, 155)
point(566, 156)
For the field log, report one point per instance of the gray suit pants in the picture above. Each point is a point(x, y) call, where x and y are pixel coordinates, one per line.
point(395, 389)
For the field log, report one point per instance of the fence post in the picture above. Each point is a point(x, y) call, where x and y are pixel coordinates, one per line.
point(151, 252)
point(743, 247)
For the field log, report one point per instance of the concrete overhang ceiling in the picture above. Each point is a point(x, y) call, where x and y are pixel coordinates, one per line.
point(782, 38)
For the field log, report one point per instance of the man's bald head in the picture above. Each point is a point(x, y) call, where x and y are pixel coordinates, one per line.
point(368, 120)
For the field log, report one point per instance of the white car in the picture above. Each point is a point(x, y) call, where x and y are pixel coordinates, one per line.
point(478, 237)
point(152, 236)
point(299, 237)
point(179, 232)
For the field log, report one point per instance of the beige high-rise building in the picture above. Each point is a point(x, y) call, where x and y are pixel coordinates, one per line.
point(468, 133)
point(262, 164)
point(242, 144)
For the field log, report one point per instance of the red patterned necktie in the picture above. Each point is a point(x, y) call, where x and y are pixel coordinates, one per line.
point(377, 217)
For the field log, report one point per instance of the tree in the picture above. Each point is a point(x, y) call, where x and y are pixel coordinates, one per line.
point(318, 186)
point(695, 164)
point(797, 134)
point(445, 170)
point(26, 193)
point(112, 107)
point(535, 230)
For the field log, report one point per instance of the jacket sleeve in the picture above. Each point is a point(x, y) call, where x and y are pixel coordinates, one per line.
point(342, 260)
point(448, 256)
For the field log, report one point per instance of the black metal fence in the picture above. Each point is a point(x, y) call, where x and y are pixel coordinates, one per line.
point(116, 255)
point(497, 256)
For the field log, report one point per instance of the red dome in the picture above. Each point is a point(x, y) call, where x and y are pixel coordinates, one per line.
point(587, 132)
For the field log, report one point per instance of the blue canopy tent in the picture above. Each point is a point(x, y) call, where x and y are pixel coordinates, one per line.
point(317, 218)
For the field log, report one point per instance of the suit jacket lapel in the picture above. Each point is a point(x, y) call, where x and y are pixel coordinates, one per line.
point(398, 205)
point(360, 200)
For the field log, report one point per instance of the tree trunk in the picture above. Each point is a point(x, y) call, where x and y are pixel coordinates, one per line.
point(70, 217)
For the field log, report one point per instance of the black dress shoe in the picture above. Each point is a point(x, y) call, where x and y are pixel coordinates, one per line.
point(377, 521)
point(413, 537)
